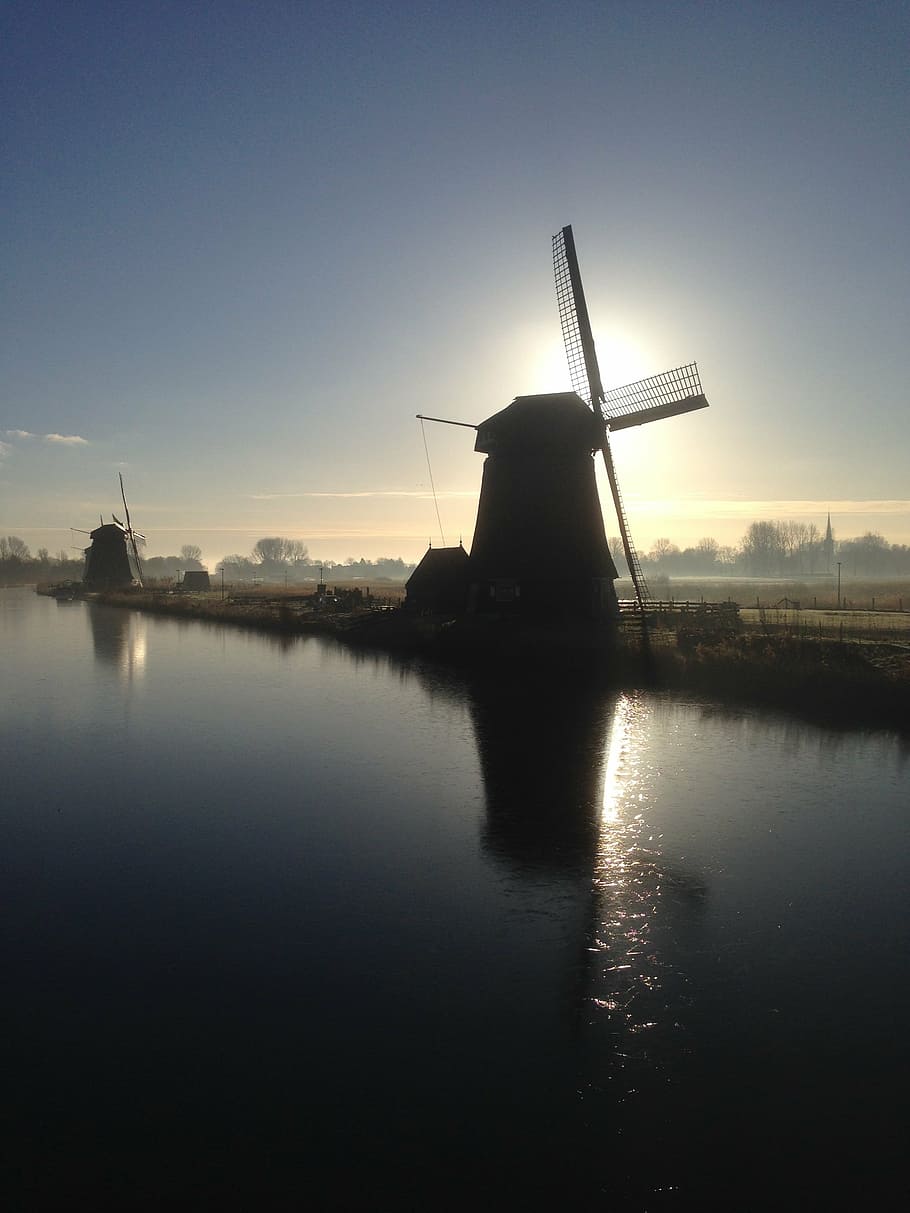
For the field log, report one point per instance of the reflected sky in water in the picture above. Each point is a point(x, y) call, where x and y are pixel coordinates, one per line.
point(406, 937)
point(119, 639)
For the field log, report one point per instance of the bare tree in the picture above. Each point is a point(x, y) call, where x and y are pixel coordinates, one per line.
point(191, 553)
point(662, 548)
point(277, 550)
point(761, 548)
point(13, 548)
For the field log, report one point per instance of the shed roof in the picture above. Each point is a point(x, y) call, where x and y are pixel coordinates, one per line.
point(438, 564)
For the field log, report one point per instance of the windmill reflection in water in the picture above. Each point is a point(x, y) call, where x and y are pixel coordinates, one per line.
point(119, 639)
point(567, 779)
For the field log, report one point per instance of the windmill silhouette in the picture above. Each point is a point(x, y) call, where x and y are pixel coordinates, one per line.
point(112, 561)
point(665, 395)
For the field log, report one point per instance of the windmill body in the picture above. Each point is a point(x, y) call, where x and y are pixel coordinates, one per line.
point(112, 562)
point(539, 543)
point(109, 563)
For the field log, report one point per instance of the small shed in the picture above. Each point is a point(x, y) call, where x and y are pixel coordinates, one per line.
point(196, 579)
point(440, 581)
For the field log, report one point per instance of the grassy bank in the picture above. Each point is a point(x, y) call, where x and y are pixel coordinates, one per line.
point(840, 682)
point(853, 684)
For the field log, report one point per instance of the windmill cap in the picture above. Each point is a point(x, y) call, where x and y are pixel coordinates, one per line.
point(553, 422)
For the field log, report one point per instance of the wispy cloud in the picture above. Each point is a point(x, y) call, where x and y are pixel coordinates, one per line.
point(386, 493)
point(58, 439)
point(66, 439)
point(5, 449)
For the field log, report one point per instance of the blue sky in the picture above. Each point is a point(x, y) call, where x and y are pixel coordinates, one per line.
point(246, 244)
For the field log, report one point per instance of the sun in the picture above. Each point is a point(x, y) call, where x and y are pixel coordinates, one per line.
point(622, 359)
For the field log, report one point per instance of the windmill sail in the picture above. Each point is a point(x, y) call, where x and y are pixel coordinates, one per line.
point(585, 374)
point(131, 534)
point(666, 395)
point(573, 316)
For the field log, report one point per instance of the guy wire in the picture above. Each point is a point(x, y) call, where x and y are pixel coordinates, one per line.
point(432, 485)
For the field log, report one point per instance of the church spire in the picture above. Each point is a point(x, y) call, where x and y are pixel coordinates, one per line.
point(828, 545)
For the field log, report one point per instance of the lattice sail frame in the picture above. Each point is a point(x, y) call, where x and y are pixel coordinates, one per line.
point(571, 301)
point(665, 395)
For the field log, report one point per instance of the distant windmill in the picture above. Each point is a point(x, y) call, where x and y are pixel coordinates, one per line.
point(112, 561)
point(665, 395)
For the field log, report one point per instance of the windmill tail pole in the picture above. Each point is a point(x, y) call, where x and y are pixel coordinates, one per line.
point(468, 425)
point(138, 561)
point(635, 571)
point(642, 594)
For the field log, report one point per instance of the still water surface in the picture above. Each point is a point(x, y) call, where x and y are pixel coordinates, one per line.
point(282, 918)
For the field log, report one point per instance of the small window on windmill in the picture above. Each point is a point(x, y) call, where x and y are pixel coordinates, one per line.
point(506, 591)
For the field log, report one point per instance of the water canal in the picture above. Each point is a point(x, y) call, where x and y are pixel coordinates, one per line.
point(286, 918)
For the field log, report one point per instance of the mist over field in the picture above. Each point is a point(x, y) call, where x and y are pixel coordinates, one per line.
point(789, 550)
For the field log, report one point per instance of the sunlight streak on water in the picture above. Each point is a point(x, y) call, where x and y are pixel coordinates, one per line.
point(120, 640)
point(627, 879)
point(619, 759)
point(135, 651)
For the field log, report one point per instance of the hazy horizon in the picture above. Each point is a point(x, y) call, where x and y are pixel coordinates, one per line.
point(730, 523)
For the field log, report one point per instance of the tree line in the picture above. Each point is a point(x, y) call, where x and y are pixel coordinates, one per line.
point(276, 558)
point(767, 549)
point(775, 549)
point(19, 567)
point(273, 559)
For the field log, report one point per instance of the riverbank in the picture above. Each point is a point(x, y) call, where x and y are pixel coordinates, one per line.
point(856, 684)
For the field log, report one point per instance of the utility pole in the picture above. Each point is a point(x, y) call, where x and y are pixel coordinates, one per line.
point(838, 584)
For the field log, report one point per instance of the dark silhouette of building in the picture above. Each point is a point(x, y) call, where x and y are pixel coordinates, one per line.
point(440, 581)
point(109, 564)
point(195, 579)
point(539, 543)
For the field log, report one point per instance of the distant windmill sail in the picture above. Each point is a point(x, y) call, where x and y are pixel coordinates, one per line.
point(131, 534)
point(666, 395)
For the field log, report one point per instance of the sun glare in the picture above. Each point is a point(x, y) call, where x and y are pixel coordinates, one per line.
point(620, 759)
point(621, 360)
